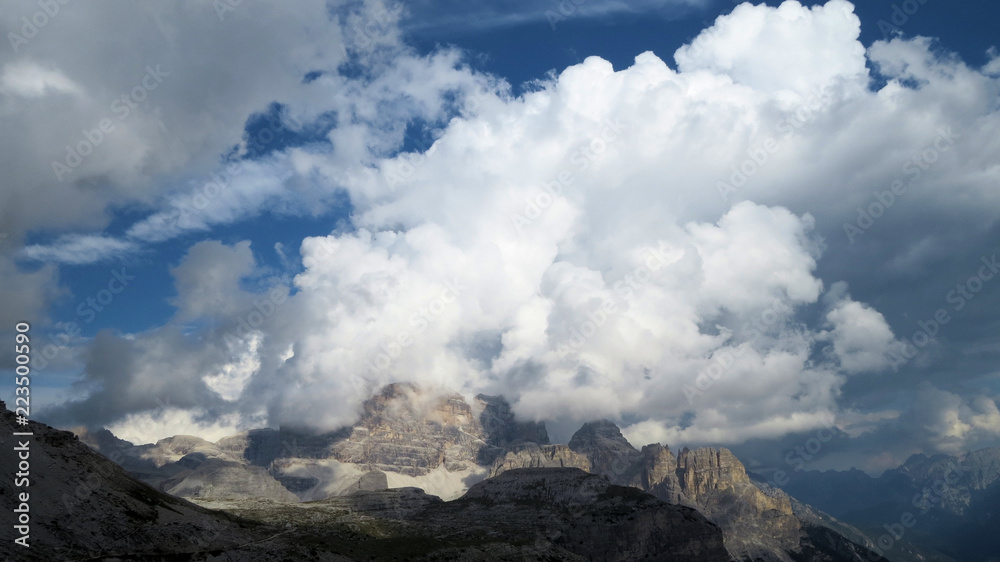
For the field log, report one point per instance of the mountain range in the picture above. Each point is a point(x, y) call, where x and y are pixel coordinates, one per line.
point(454, 449)
point(944, 503)
point(423, 476)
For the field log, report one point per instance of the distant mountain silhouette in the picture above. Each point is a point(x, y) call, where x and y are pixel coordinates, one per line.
point(949, 504)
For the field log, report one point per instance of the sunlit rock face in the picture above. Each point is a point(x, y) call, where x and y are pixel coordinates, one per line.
point(756, 525)
point(404, 436)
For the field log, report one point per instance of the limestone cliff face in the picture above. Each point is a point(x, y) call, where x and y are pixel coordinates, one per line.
point(755, 524)
point(403, 430)
point(84, 507)
point(703, 472)
point(656, 472)
point(532, 455)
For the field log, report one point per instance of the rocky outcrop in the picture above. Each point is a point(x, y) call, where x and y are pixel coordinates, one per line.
point(581, 513)
point(407, 431)
point(371, 481)
point(196, 476)
point(609, 452)
point(85, 507)
point(407, 437)
point(656, 472)
point(758, 524)
point(531, 455)
point(402, 430)
point(398, 503)
point(259, 447)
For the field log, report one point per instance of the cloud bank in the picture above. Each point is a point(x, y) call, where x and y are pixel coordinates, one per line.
point(644, 244)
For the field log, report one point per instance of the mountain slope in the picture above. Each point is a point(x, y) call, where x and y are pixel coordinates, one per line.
point(757, 523)
point(84, 506)
point(406, 437)
point(546, 514)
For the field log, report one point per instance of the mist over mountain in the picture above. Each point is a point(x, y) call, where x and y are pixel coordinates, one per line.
point(409, 437)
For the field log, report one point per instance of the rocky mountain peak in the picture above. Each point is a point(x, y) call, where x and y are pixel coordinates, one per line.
point(712, 480)
point(101, 439)
point(412, 437)
point(707, 469)
point(407, 403)
point(600, 432)
point(411, 431)
point(603, 443)
point(982, 467)
point(260, 447)
point(502, 430)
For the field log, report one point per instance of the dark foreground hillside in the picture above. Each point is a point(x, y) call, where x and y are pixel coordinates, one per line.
point(84, 507)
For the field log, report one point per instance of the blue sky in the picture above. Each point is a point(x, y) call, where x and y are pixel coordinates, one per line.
point(328, 119)
point(520, 53)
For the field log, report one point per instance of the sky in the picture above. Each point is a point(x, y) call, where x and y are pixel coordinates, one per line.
point(770, 227)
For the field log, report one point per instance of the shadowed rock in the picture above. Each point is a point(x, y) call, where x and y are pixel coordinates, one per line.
point(582, 513)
